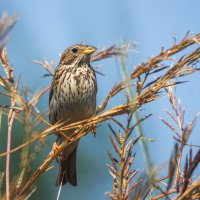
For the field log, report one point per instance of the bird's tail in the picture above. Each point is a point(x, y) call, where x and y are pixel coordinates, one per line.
point(67, 171)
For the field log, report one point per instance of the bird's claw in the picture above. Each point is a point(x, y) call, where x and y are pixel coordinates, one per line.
point(94, 130)
point(55, 148)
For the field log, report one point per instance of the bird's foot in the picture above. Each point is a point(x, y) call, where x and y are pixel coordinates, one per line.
point(54, 150)
point(94, 130)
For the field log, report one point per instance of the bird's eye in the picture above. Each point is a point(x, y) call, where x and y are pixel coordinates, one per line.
point(74, 50)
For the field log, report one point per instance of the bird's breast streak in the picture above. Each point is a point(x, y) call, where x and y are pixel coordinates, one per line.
point(78, 88)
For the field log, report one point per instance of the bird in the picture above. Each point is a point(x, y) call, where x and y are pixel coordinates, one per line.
point(72, 98)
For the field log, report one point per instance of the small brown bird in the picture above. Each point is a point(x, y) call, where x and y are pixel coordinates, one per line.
point(72, 98)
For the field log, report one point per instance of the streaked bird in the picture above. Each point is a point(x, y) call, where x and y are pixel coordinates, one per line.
point(72, 98)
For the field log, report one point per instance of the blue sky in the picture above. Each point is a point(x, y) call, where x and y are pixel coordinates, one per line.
point(45, 28)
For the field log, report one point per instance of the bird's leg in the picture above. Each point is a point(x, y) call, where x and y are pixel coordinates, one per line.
point(94, 130)
point(55, 148)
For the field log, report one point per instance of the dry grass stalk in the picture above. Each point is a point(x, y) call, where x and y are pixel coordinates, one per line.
point(179, 180)
point(11, 115)
point(6, 24)
point(121, 167)
point(146, 92)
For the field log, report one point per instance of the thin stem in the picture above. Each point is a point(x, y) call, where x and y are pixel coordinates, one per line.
point(121, 169)
point(178, 169)
point(163, 195)
point(193, 186)
point(10, 124)
point(140, 130)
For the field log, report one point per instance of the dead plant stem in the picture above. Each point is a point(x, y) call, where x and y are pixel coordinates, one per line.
point(11, 117)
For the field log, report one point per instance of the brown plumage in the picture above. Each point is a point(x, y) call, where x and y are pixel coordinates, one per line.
point(72, 98)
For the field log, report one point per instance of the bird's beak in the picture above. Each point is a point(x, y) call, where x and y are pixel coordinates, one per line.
point(89, 50)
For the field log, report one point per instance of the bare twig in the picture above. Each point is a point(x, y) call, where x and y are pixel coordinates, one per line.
point(11, 115)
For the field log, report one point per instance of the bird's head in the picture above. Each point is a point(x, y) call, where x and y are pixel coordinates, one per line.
point(77, 54)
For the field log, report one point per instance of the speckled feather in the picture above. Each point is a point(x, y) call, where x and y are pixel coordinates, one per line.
point(72, 98)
